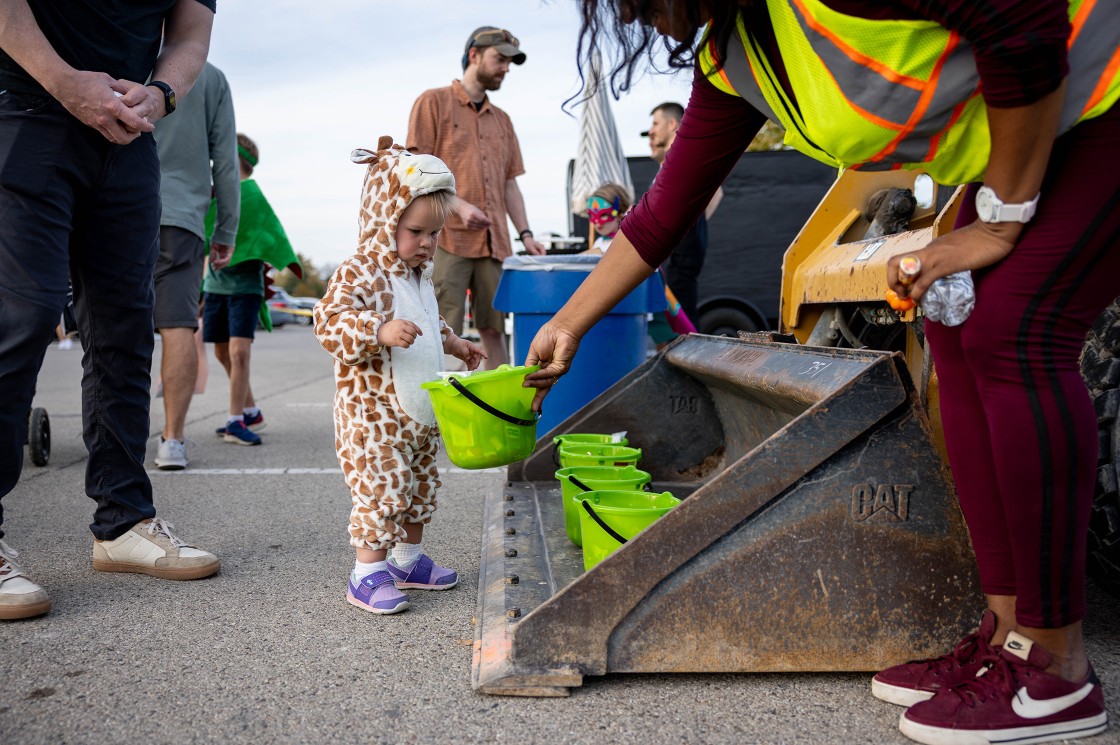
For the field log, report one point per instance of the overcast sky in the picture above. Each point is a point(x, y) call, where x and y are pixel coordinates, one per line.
point(312, 81)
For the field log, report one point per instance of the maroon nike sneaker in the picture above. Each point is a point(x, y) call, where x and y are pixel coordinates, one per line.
point(1013, 700)
point(915, 681)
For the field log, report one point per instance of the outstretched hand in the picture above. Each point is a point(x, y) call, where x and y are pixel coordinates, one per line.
point(470, 353)
point(398, 333)
point(974, 246)
point(553, 348)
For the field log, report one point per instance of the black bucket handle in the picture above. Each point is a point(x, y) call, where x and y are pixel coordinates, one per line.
point(490, 409)
point(579, 483)
point(602, 524)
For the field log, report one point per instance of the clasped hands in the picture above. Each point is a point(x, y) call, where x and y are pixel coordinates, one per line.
point(120, 110)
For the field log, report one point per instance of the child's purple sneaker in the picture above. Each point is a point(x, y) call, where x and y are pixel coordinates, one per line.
point(425, 574)
point(376, 593)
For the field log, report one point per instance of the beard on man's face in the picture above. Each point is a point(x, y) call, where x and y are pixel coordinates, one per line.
point(490, 81)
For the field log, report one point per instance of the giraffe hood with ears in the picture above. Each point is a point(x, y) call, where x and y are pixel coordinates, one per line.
point(386, 432)
point(394, 178)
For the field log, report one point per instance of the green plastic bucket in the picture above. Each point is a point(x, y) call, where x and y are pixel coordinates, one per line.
point(485, 417)
point(594, 478)
point(610, 518)
point(618, 438)
point(593, 454)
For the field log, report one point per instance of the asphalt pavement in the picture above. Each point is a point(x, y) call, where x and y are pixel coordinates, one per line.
point(268, 651)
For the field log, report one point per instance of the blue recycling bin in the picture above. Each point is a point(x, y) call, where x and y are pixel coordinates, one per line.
point(533, 288)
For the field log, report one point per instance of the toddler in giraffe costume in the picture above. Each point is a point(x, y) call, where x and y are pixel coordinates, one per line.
point(380, 321)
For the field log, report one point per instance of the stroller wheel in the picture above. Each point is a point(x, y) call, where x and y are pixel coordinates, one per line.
point(39, 437)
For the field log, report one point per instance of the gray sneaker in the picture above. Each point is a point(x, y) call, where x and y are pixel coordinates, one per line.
point(150, 548)
point(172, 455)
point(19, 596)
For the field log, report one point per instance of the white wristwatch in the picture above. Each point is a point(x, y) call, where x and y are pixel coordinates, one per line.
point(990, 208)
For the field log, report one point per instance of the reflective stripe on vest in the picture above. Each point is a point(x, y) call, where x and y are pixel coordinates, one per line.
point(890, 94)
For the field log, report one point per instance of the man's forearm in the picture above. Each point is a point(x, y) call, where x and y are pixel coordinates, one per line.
point(23, 41)
point(186, 43)
point(224, 171)
point(515, 206)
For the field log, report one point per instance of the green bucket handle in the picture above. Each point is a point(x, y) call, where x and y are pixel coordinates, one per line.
point(490, 409)
point(602, 524)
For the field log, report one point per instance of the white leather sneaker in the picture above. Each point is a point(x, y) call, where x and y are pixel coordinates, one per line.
point(19, 596)
point(150, 548)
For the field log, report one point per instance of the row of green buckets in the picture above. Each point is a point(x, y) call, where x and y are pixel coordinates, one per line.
point(603, 493)
point(486, 420)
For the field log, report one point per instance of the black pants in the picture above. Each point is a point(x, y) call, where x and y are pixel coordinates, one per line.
point(73, 203)
point(682, 270)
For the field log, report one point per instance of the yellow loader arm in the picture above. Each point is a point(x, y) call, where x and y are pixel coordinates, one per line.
point(830, 262)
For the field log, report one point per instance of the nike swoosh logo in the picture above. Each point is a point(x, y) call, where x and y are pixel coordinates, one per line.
point(1030, 708)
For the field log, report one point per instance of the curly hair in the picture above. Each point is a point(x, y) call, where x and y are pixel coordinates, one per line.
point(624, 28)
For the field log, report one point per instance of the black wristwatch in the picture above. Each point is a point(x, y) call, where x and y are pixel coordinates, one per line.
point(168, 95)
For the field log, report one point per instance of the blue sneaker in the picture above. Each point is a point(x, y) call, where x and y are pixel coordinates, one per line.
point(239, 434)
point(254, 423)
point(377, 594)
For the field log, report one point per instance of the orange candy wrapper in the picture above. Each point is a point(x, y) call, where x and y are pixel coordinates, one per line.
point(900, 304)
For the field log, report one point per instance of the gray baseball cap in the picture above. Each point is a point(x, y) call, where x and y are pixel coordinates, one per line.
point(499, 38)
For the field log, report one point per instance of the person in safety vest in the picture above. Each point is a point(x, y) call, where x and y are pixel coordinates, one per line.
point(1015, 99)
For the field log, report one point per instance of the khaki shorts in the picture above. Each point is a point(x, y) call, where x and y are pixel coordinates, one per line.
point(178, 278)
point(453, 276)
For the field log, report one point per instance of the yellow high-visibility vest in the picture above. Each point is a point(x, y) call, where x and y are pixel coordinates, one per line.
point(880, 95)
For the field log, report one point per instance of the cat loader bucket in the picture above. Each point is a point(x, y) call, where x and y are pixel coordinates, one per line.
point(818, 530)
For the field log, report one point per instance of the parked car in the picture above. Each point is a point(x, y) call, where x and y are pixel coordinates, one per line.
point(305, 304)
point(278, 307)
point(287, 309)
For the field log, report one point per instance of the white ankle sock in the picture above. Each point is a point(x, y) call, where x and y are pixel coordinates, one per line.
point(405, 555)
point(362, 570)
point(251, 411)
point(232, 418)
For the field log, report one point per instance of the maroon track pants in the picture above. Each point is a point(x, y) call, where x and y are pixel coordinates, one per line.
point(1019, 426)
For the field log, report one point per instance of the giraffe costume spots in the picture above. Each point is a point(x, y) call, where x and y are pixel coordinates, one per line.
point(385, 430)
